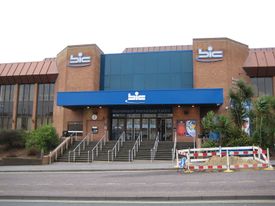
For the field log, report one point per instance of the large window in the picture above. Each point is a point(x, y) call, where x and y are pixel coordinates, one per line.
point(6, 106)
point(25, 106)
point(262, 86)
point(45, 104)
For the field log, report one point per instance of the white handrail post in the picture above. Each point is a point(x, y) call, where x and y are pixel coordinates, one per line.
point(50, 158)
point(112, 156)
point(88, 156)
point(220, 149)
point(129, 155)
point(227, 160)
point(92, 155)
point(69, 156)
point(108, 155)
point(74, 156)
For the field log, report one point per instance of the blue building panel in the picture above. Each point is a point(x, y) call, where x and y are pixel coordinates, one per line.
point(142, 97)
point(147, 71)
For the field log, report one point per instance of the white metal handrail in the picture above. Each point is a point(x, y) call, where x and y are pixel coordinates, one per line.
point(64, 145)
point(86, 140)
point(116, 147)
point(134, 150)
point(99, 145)
point(174, 147)
point(155, 148)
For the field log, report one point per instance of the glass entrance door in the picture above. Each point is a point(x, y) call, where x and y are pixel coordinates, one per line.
point(165, 129)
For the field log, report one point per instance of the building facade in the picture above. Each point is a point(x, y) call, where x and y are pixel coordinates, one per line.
point(153, 90)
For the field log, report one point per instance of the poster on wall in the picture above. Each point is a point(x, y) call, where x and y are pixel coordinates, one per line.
point(190, 128)
point(181, 129)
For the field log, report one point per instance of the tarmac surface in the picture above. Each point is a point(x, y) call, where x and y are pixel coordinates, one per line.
point(139, 180)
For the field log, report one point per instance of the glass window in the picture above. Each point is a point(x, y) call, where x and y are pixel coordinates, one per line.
point(262, 86)
point(75, 126)
point(45, 104)
point(6, 106)
point(25, 106)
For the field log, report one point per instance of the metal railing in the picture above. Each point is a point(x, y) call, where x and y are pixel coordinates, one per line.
point(155, 148)
point(174, 147)
point(116, 147)
point(86, 140)
point(59, 150)
point(134, 150)
point(97, 147)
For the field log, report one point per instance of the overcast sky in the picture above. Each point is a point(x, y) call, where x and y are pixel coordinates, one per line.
point(32, 30)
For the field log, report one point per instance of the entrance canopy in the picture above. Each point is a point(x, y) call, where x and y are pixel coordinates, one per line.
point(144, 97)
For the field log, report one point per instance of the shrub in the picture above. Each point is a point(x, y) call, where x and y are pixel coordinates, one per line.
point(44, 138)
point(12, 138)
point(209, 143)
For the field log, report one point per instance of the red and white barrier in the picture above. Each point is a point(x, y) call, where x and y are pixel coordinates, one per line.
point(202, 155)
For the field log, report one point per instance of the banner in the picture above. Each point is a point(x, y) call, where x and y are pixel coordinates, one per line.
point(190, 128)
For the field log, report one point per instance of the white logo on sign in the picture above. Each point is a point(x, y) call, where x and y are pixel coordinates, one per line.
point(209, 55)
point(136, 98)
point(80, 60)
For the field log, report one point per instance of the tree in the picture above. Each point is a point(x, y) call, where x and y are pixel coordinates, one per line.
point(263, 121)
point(241, 98)
point(230, 127)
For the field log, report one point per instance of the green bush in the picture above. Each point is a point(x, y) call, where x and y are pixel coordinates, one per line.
point(241, 141)
point(12, 139)
point(209, 143)
point(44, 138)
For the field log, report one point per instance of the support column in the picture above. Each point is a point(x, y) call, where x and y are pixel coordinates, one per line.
point(34, 109)
point(15, 105)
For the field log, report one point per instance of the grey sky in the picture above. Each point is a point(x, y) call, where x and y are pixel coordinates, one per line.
point(32, 30)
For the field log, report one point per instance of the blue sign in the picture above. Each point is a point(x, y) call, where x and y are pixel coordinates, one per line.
point(145, 97)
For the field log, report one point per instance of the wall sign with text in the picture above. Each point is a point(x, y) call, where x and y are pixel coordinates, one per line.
point(209, 55)
point(79, 60)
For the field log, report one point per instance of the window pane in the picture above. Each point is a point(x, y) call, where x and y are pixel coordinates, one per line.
point(261, 86)
point(268, 86)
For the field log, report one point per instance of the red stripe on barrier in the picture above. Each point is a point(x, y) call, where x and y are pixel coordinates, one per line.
point(245, 152)
point(264, 151)
point(204, 154)
point(196, 154)
point(213, 153)
point(210, 167)
point(191, 167)
point(255, 152)
point(201, 167)
point(255, 165)
point(219, 166)
point(264, 165)
point(245, 166)
point(223, 153)
point(235, 153)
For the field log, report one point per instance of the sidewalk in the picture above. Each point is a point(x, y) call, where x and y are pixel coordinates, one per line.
point(95, 166)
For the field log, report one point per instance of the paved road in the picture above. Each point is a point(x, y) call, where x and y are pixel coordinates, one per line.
point(138, 203)
point(137, 184)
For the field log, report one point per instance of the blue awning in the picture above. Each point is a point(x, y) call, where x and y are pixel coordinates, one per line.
point(144, 97)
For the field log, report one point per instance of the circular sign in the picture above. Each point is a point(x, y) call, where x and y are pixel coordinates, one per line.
point(94, 117)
